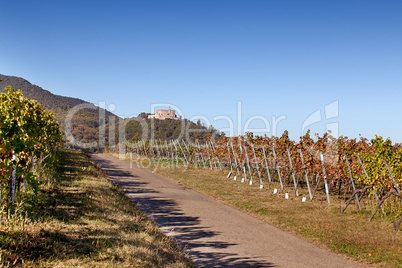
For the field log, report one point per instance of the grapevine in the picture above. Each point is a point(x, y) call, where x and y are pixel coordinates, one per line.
point(27, 132)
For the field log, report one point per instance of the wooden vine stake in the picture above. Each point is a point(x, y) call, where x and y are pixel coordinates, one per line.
point(182, 151)
point(305, 173)
point(248, 165)
point(13, 178)
point(392, 176)
point(176, 154)
point(157, 153)
point(216, 156)
point(235, 158)
point(230, 161)
point(202, 156)
point(243, 163)
point(277, 167)
point(266, 164)
point(209, 156)
point(325, 177)
point(293, 173)
point(256, 164)
point(167, 150)
point(352, 182)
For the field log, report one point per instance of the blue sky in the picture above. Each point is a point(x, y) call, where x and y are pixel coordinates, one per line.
point(277, 58)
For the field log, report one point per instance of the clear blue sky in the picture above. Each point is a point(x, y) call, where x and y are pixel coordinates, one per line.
point(278, 58)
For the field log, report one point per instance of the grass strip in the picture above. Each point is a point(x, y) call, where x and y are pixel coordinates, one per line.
point(82, 219)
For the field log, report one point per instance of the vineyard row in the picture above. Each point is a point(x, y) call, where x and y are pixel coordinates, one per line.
point(357, 168)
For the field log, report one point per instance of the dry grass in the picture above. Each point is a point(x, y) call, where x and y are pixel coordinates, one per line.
point(348, 234)
point(84, 221)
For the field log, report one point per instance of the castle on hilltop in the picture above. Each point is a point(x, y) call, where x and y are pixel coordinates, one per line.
point(164, 114)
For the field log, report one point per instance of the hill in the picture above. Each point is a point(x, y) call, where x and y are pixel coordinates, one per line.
point(85, 122)
point(167, 129)
point(86, 125)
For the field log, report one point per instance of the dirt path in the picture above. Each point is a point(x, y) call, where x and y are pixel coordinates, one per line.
point(212, 233)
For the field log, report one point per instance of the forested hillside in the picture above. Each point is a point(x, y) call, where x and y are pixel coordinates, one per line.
point(168, 129)
point(85, 125)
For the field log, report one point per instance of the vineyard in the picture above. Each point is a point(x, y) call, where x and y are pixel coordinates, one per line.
point(323, 168)
point(28, 135)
